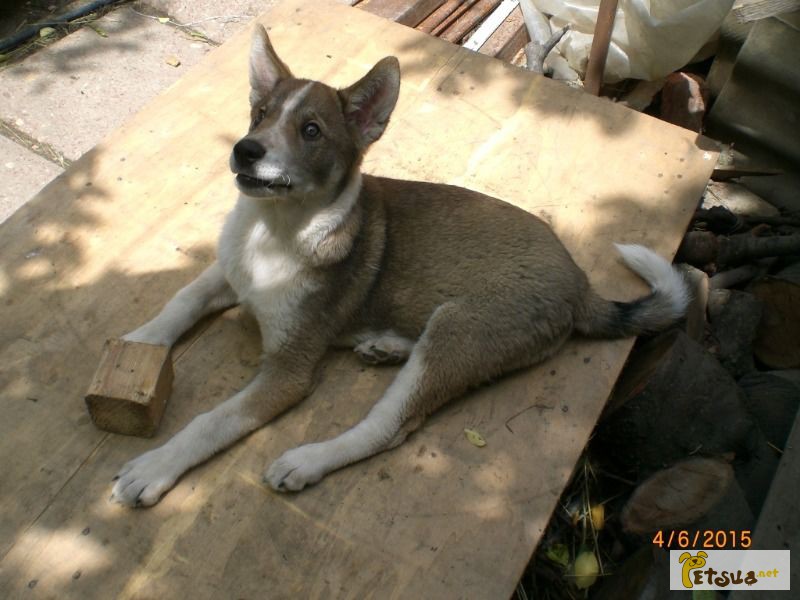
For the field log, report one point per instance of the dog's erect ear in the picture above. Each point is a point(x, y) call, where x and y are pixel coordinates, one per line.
point(703, 554)
point(684, 556)
point(369, 102)
point(266, 69)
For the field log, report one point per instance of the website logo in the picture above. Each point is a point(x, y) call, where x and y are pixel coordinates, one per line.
point(729, 570)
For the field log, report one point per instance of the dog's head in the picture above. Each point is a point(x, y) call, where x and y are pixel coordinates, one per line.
point(304, 135)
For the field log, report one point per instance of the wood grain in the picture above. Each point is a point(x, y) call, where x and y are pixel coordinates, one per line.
point(467, 21)
point(130, 388)
point(405, 12)
point(101, 249)
point(508, 39)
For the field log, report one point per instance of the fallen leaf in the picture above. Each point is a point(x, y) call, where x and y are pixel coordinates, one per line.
point(163, 20)
point(475, 438)
point(173, 61)
point(677, 496)
point(97, 30)
point(586, 569)
point(45, 31)
point(598, 515)
point(196, 35)
point(559, 554)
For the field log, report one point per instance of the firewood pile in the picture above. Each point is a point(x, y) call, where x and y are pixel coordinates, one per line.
point(694, 431)
point(692, 435)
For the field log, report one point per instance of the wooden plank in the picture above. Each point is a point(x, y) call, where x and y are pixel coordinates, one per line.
point(490, 24)
point(405, 12)
point(106, 244)
point(468, 20)
point(508, 39)
point(444, 15)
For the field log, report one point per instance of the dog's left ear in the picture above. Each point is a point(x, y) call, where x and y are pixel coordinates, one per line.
point(369, 102)
point(266, 69)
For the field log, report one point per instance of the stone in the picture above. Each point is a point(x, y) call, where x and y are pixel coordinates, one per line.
point(76, 91)
point(683, 101)
point(23, 174)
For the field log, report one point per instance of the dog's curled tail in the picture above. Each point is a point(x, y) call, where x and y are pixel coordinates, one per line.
point(666, 304)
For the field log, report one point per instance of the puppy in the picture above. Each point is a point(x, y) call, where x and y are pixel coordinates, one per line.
point(459, 286)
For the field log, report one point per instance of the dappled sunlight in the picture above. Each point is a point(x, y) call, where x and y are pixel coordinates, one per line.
point(104, 246)
point(35, 267)
point(61, 550)
point(429, 461)
point(491, 507)
point(498, 474)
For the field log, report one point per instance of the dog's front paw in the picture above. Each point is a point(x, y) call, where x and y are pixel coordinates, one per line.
point(297, 468)
point(142, 481)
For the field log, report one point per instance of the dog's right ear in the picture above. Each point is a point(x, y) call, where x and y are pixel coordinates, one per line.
point(266, 69)
point(684, 556)
point(369, 102)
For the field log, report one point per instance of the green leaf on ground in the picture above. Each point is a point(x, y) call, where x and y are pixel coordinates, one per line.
point(475, 438)
point(97, 30)
point(559, 554)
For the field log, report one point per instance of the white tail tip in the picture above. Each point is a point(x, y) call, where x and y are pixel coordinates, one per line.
point(664, 279)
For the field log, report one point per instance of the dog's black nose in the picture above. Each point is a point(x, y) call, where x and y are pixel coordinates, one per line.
point(248, 151)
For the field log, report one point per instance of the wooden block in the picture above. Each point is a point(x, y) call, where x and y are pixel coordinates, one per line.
point(130, 387)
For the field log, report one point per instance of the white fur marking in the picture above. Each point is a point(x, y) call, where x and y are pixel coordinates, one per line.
point(292, 102)
point(264, 270)
point(310, 463)
point(143, 480)
point(207, 293)
point(327, 220)
point(273, 165)
point(665, 279)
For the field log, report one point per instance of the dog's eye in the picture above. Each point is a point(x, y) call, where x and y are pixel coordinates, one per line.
point(311, 131)
point(262, 112)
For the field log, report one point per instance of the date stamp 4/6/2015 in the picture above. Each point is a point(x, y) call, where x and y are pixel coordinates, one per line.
point(710, 539)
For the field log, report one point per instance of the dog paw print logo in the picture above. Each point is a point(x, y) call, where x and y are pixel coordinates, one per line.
point(698, 561)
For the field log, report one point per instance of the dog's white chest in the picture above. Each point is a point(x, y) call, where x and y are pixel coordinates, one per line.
point(267, 277)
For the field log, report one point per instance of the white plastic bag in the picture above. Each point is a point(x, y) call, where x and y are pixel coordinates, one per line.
point(651, 38)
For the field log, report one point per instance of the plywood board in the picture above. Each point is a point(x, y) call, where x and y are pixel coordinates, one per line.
point(107, 243)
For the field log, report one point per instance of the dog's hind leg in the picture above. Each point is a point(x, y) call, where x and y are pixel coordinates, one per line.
point(465, 343)
point(208, 293)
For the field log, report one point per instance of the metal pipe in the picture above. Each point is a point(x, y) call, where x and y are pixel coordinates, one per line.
point(31, 30)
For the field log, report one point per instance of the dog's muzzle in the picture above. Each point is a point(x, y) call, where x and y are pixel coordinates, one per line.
point(252, 178)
